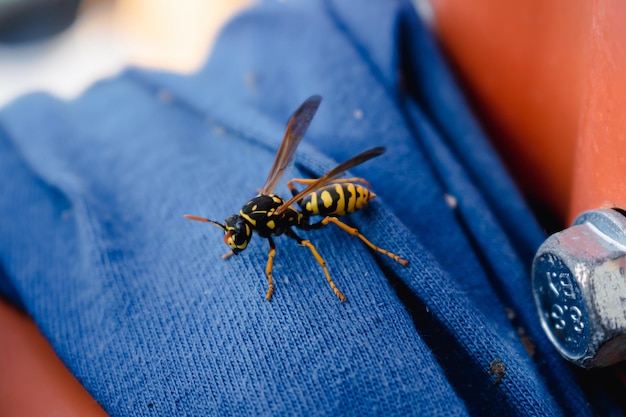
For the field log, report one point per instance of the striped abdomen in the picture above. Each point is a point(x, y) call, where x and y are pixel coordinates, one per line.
point(337, 199)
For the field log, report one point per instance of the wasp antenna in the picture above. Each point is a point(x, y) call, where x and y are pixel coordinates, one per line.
point(202, 219)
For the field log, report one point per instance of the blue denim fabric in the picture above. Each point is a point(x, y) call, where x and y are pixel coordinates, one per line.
point(138, 303)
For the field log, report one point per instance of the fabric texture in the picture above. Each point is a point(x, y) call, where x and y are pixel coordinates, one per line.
point(139, 305)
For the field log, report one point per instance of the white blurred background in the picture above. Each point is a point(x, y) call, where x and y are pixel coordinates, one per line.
point(106, 36)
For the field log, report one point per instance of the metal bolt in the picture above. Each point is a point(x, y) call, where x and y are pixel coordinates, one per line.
point(579, 284)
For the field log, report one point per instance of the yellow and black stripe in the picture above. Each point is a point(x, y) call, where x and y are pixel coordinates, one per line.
point(338, 199)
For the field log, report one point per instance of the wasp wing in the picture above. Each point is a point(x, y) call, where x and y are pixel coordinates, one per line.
point(332, 174)
point(296, 128)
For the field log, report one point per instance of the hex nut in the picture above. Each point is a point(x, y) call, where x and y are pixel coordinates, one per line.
point(579, 285)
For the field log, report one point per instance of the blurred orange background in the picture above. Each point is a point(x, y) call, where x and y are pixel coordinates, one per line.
point(547, 78)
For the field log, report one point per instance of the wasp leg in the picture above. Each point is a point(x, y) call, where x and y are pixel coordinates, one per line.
point(355, 232)
point(268, 269)
point(308, 181)
point(319, 259)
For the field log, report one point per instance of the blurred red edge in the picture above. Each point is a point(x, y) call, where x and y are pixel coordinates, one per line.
point(33, 380)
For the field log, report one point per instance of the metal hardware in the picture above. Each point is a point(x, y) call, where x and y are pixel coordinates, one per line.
point(579, 284)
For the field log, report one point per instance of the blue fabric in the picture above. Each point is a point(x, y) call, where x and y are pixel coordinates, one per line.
point(138, 303)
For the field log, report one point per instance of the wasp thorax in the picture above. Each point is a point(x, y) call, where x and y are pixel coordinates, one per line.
point(237, 233)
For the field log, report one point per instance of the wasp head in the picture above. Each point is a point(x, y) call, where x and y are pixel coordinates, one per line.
point(237, 233)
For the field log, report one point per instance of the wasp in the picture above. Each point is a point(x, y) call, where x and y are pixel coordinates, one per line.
point(327, 197)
